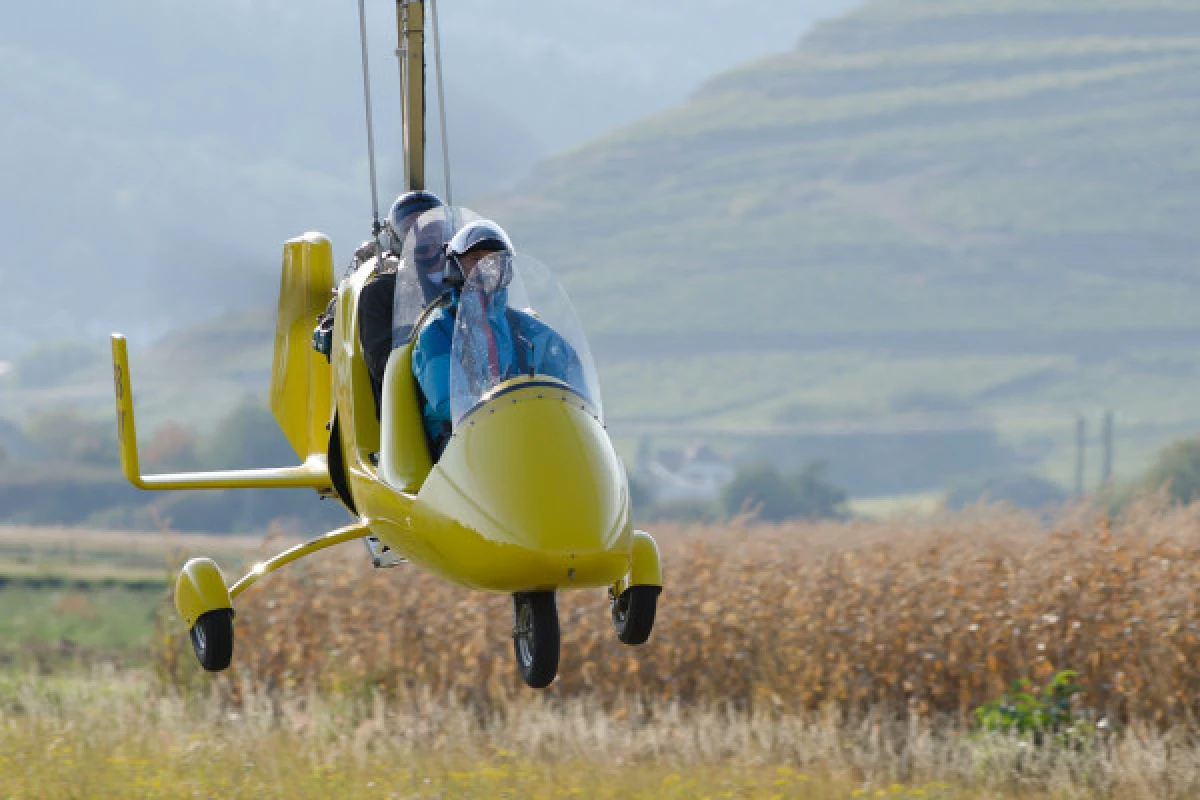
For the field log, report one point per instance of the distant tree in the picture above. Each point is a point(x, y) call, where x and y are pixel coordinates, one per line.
point(1178, 468)
point(758, 488)
point(815, 496)
point(172, 447)
point(1022, 491)
point(686, 511)
point(641, 493)
point(248, 437)
point(761, 488)
point(69, 437)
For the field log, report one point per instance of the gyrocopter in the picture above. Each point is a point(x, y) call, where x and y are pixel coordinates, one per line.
point(522, 491)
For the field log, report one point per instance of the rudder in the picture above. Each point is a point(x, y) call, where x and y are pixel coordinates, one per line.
point(301, 396)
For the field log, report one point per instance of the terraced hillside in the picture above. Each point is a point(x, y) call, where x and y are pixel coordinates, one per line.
point(943, 206)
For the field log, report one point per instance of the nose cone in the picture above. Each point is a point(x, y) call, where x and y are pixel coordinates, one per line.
point(531, 479)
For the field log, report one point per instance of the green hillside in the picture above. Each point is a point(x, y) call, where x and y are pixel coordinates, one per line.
point(986, 205)
point(969, 218)
point(914, 166)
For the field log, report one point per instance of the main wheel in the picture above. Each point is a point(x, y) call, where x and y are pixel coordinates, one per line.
point(535, 637)
point(633, 613)
point(212, 639)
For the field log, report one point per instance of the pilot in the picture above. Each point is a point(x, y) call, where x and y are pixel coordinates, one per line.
point(515, 342)
point(375, 301)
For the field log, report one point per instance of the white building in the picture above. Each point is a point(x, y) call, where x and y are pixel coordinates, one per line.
point(697, 473)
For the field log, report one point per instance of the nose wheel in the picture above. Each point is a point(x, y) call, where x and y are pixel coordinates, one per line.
point(212, 639)
point(535, 637)
point(633, 613)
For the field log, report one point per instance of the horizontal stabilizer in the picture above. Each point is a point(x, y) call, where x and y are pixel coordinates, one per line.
point(312, 474)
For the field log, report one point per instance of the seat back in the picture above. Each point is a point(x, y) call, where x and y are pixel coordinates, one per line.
point(404, 460)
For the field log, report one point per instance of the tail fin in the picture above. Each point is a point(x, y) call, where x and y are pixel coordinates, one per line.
point(301, 381)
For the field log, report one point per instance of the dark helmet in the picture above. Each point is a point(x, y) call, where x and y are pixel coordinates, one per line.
point(404, 211)
point(479, 236)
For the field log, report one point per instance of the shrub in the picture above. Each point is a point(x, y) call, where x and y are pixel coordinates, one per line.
point(1038, 714)
point(172, 448)
point(688, 511)
point(1178, 468)
point(66, 436)
point(761, 488)
point(248, 437)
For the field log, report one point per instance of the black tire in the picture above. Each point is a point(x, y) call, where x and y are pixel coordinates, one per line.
point(212, 639)
point(536, 637)
point(337, 467)
point(633, 613)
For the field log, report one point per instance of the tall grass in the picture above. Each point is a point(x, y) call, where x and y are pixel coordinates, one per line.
point(122, 735)
point(807, 661)
point(923, 617)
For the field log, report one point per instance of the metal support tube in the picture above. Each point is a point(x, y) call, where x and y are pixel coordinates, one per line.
point(347, 534)
point(366, 71)
point(441, 101)
point(411, 22)
point(402, 63)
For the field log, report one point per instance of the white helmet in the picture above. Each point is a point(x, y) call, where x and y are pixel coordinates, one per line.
point(479, 236)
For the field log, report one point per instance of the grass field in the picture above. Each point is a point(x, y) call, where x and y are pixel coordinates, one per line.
point(119, 734)
point(799, 661)
point(77, 596)
point(120, 556)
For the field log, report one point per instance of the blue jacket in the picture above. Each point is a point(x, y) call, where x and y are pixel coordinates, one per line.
point(533, 346)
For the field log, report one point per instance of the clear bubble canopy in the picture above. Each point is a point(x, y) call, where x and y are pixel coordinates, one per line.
point(513, 319)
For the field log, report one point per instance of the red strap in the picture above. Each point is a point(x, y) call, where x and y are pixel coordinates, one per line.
point(493, 354)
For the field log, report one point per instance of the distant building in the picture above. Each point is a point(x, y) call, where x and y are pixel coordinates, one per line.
point(696, 473)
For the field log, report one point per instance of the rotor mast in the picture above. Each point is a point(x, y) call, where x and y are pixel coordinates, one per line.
point(410, 21)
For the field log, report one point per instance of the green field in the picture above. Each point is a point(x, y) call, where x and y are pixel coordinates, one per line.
point(74, 597)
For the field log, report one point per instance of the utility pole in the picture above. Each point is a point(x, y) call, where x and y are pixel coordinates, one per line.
point(1106, 468)
point(1080, 448)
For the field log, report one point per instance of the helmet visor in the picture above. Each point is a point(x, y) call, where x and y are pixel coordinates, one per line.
point(421, 277)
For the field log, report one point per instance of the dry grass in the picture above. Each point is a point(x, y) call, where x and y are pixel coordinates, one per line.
point(120, 735)
point(807, 661)
point(923, 617)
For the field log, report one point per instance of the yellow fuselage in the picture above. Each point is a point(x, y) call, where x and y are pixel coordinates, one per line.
point(528, 495)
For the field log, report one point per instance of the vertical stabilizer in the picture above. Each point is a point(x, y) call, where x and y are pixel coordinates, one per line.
point(300, 376)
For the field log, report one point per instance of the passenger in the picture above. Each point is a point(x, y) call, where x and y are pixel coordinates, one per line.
point(375, 301)
point(509, 343)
